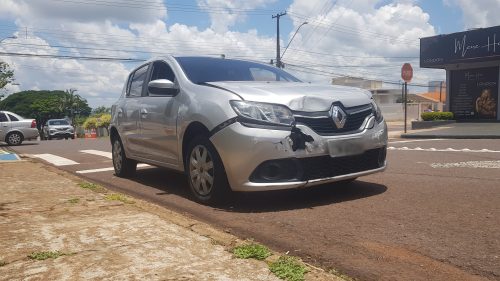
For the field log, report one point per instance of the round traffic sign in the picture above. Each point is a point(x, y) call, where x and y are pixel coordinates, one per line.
point(407, 72)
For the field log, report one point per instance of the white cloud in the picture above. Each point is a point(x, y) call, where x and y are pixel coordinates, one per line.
point(360, 34)
point(478, 13)
point(33, 11)
point(225, 13)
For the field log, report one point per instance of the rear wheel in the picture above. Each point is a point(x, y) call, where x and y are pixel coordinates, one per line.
point(124, 167)
point(206, 175)
point(14, 138)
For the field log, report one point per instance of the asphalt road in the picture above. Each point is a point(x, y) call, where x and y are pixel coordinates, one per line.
point(434, 214)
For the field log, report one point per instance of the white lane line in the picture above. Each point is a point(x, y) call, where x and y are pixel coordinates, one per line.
point(405, 141)
point(106, 169)
point(469, 164)
point(98, 152)
point(55, 160)
point(404, 148)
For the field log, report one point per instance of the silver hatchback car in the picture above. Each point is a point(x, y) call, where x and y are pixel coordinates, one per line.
point(244, 126)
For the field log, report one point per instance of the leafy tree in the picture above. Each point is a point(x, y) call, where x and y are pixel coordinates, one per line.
point(6, 76)
point(90, 123)
point(100, 110)
point(73, 105)
point(44, 105)
point(94, 122)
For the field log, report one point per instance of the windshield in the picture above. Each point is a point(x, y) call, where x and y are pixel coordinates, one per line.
point(202, 69)
point(58, 122)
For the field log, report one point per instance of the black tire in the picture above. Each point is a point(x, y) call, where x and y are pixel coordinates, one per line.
point(66, 138)
point(14, 138)
point(199, 185)
point(124, 167)
point(49, 137)
point(73, 137)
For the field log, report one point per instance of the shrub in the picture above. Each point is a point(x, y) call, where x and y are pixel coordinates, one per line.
point(433, 116)
point(90, 123)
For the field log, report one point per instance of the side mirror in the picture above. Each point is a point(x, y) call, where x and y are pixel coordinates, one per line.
point(162, 87)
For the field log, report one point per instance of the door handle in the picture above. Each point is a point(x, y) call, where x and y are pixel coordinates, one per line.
point(144, 113)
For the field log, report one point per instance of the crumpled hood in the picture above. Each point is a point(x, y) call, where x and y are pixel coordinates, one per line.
point(296, 95)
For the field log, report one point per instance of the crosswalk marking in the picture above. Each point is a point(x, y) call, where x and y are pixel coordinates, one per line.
point(469, 164)
point(106, 169)
point(98, 152)
point(55, 160)
point(404, 148)
point(406, 141)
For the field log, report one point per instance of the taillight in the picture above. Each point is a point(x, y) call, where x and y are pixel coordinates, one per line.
point(33, 124)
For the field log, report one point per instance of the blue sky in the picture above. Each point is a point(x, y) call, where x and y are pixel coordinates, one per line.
point(362, 38)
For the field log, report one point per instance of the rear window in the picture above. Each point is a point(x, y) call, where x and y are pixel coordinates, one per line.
point(58, 122)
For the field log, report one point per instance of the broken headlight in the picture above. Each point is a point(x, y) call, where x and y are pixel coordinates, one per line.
point(263, 113)
point(376, 112)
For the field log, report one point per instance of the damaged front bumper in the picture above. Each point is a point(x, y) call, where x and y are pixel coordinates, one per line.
point(257, 159)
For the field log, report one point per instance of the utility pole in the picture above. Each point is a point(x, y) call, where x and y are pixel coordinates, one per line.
point(278, 52)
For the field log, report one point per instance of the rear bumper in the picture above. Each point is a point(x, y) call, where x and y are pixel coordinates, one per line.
point(30, 133)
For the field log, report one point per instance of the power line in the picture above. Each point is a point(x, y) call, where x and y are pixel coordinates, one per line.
point(71, 57)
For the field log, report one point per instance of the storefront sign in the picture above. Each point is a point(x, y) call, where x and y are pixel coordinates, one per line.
point(474, 93)
point(477, 45)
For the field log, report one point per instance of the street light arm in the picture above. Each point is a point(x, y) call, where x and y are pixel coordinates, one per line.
point(286, 48)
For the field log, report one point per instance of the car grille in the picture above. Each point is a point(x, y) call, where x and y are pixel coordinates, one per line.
point(325, 166)
point(323, 123)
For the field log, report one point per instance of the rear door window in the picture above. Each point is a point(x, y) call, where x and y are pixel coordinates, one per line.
point(12, 117)
point(3, 117)
point(137, 82)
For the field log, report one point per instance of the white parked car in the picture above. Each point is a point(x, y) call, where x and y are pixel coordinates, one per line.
point(14, 129)
point(58, 128)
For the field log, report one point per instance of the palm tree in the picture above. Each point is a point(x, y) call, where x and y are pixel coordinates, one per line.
point(71, 103)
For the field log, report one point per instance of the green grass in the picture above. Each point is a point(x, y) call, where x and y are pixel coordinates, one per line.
point(91, 186)
point(288, 268)
point(74, 200)
point(3, 263)
point(40, 256)
point(251, 251)
point(119, 197)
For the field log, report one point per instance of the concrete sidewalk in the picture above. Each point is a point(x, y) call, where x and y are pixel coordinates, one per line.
point(54, 226)
point(458, 131)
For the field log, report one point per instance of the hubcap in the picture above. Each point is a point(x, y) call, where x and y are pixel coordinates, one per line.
point(201, 170)
point(117, 155)
point(14, 138)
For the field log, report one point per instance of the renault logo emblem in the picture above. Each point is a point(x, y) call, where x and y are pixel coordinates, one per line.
point(339, 116)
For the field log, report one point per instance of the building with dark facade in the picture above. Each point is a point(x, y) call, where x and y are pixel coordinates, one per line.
point(472, 61)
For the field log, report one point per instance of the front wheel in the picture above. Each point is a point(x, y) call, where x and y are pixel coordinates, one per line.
point(14, 138)
point(124, 167)
point(206, 175)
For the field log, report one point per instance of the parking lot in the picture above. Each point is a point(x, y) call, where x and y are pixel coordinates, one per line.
point(433, 214)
